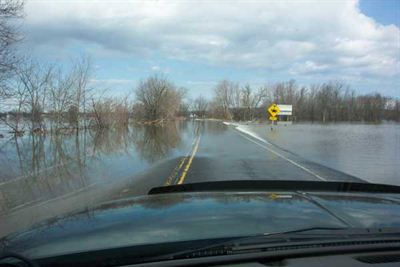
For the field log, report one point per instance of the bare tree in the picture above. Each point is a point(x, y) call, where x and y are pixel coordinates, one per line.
point(184, 109)
point(251, 100)
point(20, 100)
point(103, 113)
point(237, 103)
point(215, 110)
point(121, 112)
point(171, 104)
point(10, 10)
point(200, 106)
point(138, 111)
point(285, 92)
point(159, 98)
point(66, 92)
point(61, 95)
point(226, 96)
point(35, 79)
point(111, 112)
point(82, 72)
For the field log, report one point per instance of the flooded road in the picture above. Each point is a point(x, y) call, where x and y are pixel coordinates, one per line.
point(46, 176)
point(368, 151)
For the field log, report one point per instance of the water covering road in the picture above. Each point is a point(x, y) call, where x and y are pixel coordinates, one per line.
point(47, 176)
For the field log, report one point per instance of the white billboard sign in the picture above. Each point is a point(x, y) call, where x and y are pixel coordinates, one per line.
point(285, 110)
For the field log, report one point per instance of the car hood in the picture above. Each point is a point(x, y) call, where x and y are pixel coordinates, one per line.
point(193, 216)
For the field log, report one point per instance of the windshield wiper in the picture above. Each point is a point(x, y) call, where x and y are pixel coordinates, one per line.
point(276, 185)
point(298, 235)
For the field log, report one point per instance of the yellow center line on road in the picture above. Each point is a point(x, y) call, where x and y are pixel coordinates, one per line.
point(170, 178)
point(189, 163)
point(174, 174)
point(182, 162)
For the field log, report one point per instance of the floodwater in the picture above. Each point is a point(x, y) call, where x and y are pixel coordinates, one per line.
point(52, 175)
point(42, 176)
point(39, 167)
point(368, 151)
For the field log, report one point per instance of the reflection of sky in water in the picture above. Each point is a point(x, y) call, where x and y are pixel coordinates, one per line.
point(209, 218)
point(59, 165)
point(140, 145)
point(367, 151)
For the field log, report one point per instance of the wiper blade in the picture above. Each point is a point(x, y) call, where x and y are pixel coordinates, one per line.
point(276, 185)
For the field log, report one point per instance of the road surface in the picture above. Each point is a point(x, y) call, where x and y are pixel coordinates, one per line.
point(210, 151)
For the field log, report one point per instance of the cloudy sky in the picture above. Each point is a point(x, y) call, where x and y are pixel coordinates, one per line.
point(196, 44)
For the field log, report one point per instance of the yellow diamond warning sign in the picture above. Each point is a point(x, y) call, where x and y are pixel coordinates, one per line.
point(273, 111)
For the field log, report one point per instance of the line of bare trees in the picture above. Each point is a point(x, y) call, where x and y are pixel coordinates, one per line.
point(62, 97)
point(10, 12)
point(326, 102)
point(58, 99)
point(59, 94)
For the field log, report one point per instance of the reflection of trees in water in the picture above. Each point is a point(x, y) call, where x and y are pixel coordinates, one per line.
point(111, 141)
point(151, 142)
point(182, 125)
point(51, 166)
point(154, 142)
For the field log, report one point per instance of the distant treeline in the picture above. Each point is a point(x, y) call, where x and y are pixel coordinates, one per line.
point(326, 102)
point(64, 99)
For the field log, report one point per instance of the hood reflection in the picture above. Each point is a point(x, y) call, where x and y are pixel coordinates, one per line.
point(164, 218)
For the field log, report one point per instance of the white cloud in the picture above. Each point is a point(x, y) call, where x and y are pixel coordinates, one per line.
point(111, 85)
point(155, 68)
point(111, 81)
point(308, 67)
point(299, 37)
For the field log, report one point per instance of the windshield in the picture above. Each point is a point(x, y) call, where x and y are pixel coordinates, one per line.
point(101, 101)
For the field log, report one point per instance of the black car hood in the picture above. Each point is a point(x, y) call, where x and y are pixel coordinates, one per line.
point(193, 216)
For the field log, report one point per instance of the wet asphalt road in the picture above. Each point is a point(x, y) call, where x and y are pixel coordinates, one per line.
point(234, 155)
point(193, 152)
